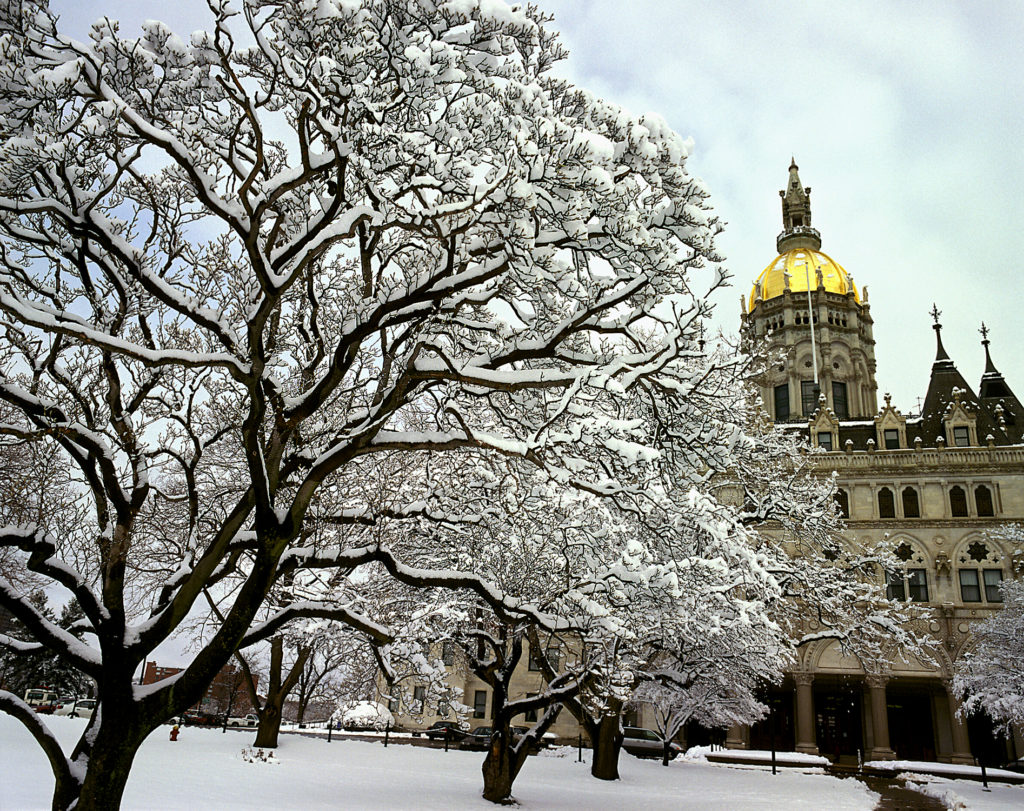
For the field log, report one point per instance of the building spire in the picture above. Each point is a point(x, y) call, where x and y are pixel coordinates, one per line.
point(940, 352)
point(990, 367)
point(796, 215)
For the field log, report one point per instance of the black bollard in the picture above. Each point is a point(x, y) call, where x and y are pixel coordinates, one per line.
point(387, 733)
point(447, 735)
point(580, 757)
point(330, 729)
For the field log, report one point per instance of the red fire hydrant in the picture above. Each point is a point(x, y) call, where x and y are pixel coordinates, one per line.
point(174, 732)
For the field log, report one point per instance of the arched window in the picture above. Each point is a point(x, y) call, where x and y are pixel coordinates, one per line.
point(843, 502)
point(958, 502)
point(886, 503)
point(983, 500)
point(911, 507)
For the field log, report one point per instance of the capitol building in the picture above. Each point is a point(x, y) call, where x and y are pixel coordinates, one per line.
point(933, 483)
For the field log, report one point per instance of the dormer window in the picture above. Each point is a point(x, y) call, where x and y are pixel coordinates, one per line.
point(892, 439)
point(825, 440)
point(961, 436)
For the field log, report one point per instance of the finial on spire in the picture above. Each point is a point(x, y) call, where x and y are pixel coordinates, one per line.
point(984, 333)
point(935, 312)
point(792, 162)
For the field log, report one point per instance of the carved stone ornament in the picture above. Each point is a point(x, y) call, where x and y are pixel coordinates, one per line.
point(943, 565)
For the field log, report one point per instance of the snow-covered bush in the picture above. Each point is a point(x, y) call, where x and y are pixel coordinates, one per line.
point(365, 715)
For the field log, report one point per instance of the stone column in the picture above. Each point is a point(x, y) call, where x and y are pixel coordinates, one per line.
point(738, 737)
point(879, 718)
point(805, 741)
point(961, 741)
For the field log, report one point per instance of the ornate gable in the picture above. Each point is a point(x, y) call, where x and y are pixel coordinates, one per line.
point(890, 419)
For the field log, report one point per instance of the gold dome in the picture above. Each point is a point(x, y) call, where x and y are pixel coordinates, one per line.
point(799, 264)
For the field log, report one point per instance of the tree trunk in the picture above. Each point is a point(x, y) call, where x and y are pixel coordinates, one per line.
point(501, 767)
point(607, 743)
point(109, 759)
point(667, 751)
point(270, 723)
point(277, 692)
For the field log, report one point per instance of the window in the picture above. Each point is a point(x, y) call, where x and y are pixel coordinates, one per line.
point(969, 589)
point(448, 652)
point(480, 704)
point(530, 715)
point(971, 585)
point(891, 438)
point(843, 503)
point(958, 502)
point(809, 392)
point(993, 577)
point(886, 503)
point(782, 402)
point(961, 436)
point(917, 582)
point(839, 405)
point(910, 586)
point(534, 664)
point(894, 586)
point(983, 500)
point(825, 440)
point(553, 658)
point(911, 507)
point(419, 697)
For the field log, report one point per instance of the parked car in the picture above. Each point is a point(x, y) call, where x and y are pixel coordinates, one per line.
point(452, 730)
point(82, 708)
point(477, 740)
point(42, 699)
point(203, 719)
point(546, 739)
point(249, 720)
point(647, 743)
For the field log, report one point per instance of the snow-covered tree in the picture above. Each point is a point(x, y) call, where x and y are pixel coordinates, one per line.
point(990, 677)
point(233, 278)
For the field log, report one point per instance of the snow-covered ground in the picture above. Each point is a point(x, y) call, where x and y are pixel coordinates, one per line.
point(960, 795)
point(206, 769)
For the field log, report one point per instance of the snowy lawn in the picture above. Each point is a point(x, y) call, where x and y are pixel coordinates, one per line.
point(205, 769)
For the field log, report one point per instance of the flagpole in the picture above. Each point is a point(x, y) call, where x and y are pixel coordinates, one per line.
point(810, 316)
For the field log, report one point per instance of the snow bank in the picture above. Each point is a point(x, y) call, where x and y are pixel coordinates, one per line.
point(959, 795)
point(951, 769)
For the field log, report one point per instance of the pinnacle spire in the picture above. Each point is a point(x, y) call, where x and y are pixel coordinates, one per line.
point(796, 215)
point(990, 367)
point(940, 351)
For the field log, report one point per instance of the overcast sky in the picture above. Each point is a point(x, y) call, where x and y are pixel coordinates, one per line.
point(906, 120)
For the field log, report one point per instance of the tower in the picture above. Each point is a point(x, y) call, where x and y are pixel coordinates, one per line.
point(809, 306)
